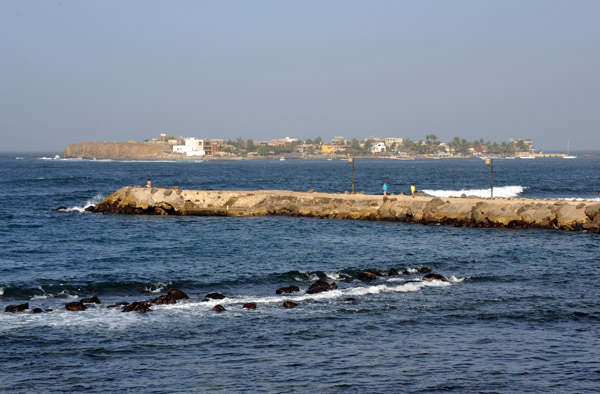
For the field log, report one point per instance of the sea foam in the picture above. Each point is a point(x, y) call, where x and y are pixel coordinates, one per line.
point(97, 199)
point(502, 191)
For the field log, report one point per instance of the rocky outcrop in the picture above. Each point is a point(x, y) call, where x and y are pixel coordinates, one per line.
point(118, 150)
point(16, 308)
point(469, 211)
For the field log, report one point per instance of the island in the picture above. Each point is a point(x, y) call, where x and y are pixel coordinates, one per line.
point(464, 211)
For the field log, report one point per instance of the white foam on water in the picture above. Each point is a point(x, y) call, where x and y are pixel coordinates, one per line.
point(97, 199)
point(1, 291)
point(454, 279)
point(333, 275)
point(578, 199)
point(157, 287)
point(502, 191)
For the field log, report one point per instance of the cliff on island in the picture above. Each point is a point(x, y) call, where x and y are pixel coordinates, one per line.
point(471, 211)
point(118, 151)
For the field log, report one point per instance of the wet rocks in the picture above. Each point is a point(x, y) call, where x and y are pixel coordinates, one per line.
point(368, 275)
point(91, 300)
point(393, 272)
point(321, 286)
point(219, 308)
point(138, 306)
point(165, 299)
point(16, 308)
point(424, 270)
point(214, 296)
point(178, 294)
point(287, 290)
point(289, 304)
point(75, 306)
point(431, 277)
point(249, 305)
point(123, 303)
point(37, 310)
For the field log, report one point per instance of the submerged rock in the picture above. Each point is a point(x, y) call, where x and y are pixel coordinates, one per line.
point(430, 277)
point(37, 310)
point(219, 308)
point(214, 296)
point(16, 308)
point(138, 306)
point(393, 272)
point(289, 304)
point(368, 275)
point(321, 286)
point(249, 305)
point(424, 270)
point(287, 290)
point(75, 306)
point(178, 294)
point(167, 299)
point(124, 303)
point(91, 300)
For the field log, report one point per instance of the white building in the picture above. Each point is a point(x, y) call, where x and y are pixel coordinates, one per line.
point(192, 147)
point(378, 147)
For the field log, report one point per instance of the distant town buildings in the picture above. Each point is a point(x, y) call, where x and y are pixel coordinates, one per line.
point(391, 147)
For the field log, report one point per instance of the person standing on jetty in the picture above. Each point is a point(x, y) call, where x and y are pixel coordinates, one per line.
point(384, 189)
point(148, 184)
point(412, 189)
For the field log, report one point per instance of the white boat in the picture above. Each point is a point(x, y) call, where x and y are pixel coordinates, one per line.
point(568, 156)
point(282, 158)
point(526, 157)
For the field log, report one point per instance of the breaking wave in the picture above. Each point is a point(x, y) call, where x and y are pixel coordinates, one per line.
point(502, 191)
point(97, 199)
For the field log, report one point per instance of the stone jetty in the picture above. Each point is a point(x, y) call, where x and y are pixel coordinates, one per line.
point(464, 211)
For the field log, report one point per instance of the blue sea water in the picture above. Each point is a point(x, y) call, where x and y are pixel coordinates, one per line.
point(520, 313)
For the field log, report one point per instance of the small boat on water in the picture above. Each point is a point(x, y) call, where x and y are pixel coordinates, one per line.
point(282, 158)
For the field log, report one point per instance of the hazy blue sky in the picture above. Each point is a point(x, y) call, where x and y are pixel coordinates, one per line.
point(75, 71)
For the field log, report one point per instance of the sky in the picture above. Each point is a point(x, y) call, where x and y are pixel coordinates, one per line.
point(73, 71)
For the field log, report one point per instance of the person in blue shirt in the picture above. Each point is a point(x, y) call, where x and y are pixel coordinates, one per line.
point(384, 189)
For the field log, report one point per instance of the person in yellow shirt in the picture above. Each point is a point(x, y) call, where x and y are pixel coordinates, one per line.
point(412, 189)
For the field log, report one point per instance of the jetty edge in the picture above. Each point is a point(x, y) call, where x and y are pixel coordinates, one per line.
point(463, 211)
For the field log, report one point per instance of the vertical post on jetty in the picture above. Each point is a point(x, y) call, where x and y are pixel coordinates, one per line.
point(490, 162)
point(351, 160)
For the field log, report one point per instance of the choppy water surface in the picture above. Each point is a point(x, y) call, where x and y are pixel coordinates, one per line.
point(520, 312)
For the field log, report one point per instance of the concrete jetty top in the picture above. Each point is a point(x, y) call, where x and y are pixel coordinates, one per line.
point(469, 211)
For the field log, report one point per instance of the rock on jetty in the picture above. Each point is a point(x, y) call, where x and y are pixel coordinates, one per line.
point(469, 211)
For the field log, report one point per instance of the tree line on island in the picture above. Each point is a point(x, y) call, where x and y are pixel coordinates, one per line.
point(431, 145)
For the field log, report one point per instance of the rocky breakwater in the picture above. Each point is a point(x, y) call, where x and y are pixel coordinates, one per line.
point(466, 211)
point(118, 151)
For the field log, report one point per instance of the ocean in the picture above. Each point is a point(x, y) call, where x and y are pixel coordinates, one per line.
point(520, 311)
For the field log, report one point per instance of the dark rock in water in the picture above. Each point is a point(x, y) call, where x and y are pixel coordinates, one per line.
point(61, 208)
point(350, 299)
point(75, 306)
point(16, 308)
point(91, 300)
point(424, 270)
point(288, 289)
point(405, 272)
point(138, 306)
point(393, 272)
point(430, 277)
point(178, 294)
point(219, 308)
point(167, 299)
point(215, 296)
point(37, 310)
point(49, 310)
point(289, 304)
point(321, 286)
point(368, 275)
point(249, 305)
